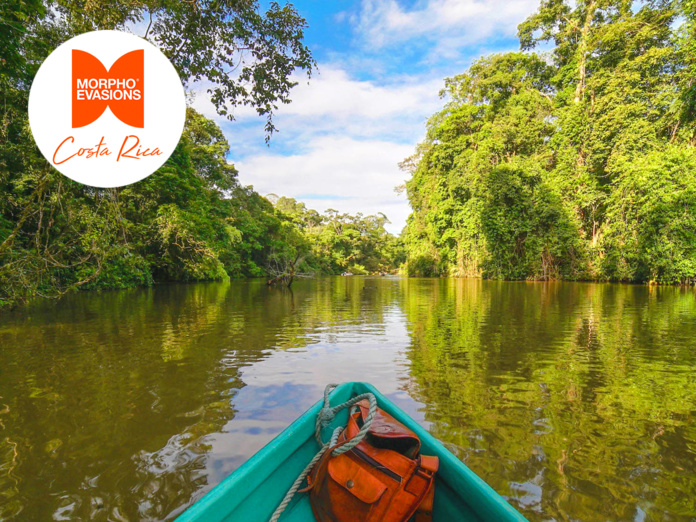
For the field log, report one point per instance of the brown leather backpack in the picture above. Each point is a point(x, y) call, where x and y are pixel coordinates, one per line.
point(383, 478)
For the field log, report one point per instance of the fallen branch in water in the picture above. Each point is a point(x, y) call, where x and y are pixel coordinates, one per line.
point(285, 272)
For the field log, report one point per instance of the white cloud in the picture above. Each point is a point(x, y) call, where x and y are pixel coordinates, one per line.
point(340, 143)
point(342, 173)
point(335, 103)
point(449, 23)
point(334, 93)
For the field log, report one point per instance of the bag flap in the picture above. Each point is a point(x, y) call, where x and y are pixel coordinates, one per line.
point(388, 433)
point(356, 480)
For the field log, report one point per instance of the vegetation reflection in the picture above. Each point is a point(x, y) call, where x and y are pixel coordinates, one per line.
point(109, 404)
point(567, 399)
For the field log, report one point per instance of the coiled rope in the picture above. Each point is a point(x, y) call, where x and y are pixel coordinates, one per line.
point(325, 416)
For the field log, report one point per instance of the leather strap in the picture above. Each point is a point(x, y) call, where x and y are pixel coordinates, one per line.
point(428, 464)
point(424, 512)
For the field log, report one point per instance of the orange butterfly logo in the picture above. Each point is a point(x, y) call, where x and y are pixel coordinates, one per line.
point(120, 88)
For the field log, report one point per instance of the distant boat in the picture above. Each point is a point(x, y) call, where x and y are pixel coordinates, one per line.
point(347, 274)
point(254, 490)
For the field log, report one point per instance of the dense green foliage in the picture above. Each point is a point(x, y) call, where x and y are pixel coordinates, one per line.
point(577, 164)
point(189, 221)
point(342, 242)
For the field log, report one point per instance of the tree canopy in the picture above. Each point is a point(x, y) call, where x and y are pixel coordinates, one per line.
point(191, 220)
point(576, 163)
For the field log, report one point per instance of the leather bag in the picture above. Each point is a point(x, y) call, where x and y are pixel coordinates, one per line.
point(383, 478)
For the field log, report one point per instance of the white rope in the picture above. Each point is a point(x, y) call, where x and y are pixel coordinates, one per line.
point(324, 418)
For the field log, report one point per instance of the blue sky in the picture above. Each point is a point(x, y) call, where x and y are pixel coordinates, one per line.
point(381, 64)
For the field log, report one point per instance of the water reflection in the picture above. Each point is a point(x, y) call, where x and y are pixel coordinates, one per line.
point(575, 401)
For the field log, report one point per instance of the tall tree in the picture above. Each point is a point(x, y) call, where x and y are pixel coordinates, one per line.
point(610, 116)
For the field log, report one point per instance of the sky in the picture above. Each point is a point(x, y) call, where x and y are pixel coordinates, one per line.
point(381, 65)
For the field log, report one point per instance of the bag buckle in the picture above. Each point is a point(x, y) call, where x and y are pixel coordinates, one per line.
point(427, 466)
point(426, 474)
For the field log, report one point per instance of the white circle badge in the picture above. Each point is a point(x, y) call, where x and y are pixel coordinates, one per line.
point(107, 108)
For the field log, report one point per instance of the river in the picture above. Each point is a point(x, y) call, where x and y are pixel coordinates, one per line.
point(575, 401)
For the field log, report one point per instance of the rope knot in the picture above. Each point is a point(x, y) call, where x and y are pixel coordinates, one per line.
point(325, 416)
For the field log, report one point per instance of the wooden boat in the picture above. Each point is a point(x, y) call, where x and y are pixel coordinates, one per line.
point(254, 490)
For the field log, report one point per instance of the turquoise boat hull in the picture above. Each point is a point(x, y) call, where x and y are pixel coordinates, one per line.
point(252, 492)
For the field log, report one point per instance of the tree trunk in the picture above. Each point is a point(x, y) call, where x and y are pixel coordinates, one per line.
point(582, 51)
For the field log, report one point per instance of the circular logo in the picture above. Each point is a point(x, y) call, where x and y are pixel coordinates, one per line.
point(107, 108)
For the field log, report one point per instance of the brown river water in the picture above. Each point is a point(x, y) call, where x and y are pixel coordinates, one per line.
point(574, 401)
